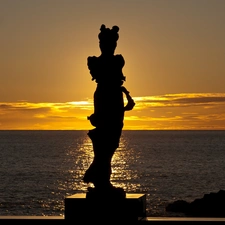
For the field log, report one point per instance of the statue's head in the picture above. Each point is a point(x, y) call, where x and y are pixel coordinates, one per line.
point(108, 39)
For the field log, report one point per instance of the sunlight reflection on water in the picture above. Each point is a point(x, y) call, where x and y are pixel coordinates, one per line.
point(126, 171)
point(122, 174)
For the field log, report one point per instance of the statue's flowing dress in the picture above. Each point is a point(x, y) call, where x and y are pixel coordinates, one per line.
point(108, 115)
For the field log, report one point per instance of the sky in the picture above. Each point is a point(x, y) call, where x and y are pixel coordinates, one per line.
point(174, 53)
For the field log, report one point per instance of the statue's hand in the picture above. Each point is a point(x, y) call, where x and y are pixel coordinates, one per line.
point(130, 104)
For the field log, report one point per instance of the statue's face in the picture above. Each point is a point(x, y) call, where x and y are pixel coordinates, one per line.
point(107, 47)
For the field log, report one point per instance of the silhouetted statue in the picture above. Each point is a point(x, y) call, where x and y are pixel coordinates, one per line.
point(109, 109)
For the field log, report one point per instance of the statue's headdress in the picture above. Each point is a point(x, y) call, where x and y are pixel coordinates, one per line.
point(108, 35)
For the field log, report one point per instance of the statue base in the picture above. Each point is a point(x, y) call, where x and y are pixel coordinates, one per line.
point(97, 207)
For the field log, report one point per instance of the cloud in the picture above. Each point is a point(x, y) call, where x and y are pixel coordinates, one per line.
point(180, 100)
point(44, 115)
point(179, 111)
point(44, 107)
point(170, 111)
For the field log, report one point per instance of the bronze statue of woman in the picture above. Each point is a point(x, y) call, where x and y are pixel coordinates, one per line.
point(109, 108)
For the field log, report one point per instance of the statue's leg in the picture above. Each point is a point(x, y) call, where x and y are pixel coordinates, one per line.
point(103, 156)
point(104, 146)
point(91, 172)
point(104, 171)
point(99, 171)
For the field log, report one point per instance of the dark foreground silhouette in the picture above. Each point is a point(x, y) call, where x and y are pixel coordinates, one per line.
point(109, 108)
point(211, 205)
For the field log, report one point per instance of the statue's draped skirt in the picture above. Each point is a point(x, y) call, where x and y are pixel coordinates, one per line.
point(109, 111)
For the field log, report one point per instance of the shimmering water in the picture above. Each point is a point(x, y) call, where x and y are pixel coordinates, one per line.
point(39, 168)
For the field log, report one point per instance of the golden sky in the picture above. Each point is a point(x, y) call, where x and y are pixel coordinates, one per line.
point(174, 52)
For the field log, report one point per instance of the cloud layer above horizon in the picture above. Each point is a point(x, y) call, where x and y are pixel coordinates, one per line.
point(184, 111)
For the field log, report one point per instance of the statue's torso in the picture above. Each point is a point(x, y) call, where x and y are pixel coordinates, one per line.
point(108, 97)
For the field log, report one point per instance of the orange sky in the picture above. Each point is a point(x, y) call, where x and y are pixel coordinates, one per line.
point(174, 52)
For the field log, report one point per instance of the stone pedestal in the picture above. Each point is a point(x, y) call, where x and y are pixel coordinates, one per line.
point(80, 209)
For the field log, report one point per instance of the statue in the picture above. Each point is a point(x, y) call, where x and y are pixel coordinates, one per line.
point(109, 109)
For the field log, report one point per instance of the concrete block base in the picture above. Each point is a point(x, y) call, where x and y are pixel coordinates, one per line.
point(80, 208)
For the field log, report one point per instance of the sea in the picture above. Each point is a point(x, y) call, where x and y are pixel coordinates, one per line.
point(38, 169)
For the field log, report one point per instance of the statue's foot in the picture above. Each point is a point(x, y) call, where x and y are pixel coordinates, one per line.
point(107, 190)
point(117, 191)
